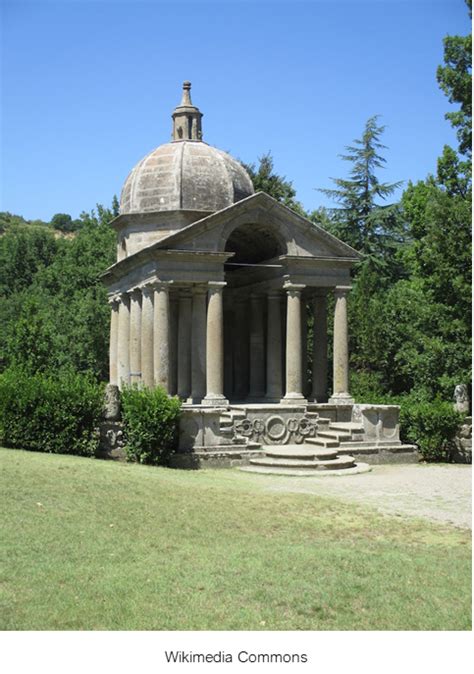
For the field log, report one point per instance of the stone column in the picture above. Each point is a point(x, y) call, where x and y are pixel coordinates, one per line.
point(304, 347)
point(114, 323)
point(215, 347)
point(184, 344)
point(341, 349)
point(161, 329)
point(257, 348)
point(135, 336)
point(123, 342)
point(241, 347)
point(320, 349)
point(198, 345)
point(294, 378)
point(174, 311)
point(274, 371)
point(147, 336)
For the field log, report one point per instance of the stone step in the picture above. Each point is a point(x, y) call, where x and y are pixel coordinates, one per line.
point(302, 472)
point(321, 442)
point(328, 464)
point(348, 426)
point(335, 435)
point(299, 452)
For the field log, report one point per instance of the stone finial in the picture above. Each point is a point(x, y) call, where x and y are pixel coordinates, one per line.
point(186, 118)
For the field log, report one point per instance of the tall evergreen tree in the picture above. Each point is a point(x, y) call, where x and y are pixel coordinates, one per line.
point(265, 179)
point(361, 220)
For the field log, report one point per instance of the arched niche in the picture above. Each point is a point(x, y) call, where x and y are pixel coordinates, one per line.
point(252, 243)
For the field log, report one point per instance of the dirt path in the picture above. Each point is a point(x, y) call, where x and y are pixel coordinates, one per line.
point(441, 493)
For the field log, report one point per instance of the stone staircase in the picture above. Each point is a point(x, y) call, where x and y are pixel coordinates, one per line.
point(325, 454)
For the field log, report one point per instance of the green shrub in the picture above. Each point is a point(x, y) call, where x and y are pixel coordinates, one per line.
point(57, 413)
point(150, 420)
point(431, 425)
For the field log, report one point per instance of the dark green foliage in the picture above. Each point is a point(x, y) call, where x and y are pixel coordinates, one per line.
point(361, 221)
point(264, 179)
point(150, 421)
point(57, 413)
point(454, 78)
point(54, 304)
point(65, 223)
point(431, 425)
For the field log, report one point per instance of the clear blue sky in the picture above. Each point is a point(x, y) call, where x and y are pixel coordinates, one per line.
point(88, 89)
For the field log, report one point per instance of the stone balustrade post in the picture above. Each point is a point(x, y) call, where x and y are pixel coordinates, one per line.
point(215, 347)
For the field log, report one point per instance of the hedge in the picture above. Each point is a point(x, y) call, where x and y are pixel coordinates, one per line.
point(57, 413)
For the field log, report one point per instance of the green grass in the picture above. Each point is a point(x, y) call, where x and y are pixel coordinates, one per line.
point(95, 545)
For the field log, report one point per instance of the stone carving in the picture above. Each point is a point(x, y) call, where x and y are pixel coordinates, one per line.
point(115, 438)
point(275, 430)
point(461, 398)
point(112, 403)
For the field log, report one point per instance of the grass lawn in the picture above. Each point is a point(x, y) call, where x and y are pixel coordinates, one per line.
point(93, 545)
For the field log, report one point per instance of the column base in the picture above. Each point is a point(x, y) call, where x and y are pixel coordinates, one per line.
point(293, 398)
point(194, 400)
point(341, 399)
point(214, 401)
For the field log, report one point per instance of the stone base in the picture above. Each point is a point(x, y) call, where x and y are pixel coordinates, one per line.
point(215, 401)
point(341, 399)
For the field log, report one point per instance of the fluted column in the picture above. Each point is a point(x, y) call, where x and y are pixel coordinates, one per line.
point(320, 349)
point(123, 341)
point(198, 345)
point(341, 349)
point(161, 329)
point(294, 378)
point(257, 348)
point(241, 347)
point(184, 344)
point(135, 336)
point(215, 347)
point(147, 336)
point(114, 319)
point(274, 371)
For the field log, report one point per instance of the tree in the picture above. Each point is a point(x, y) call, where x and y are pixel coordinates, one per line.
point(455, 79)
point(64, 223)
point(265, 179)
point(361, 221)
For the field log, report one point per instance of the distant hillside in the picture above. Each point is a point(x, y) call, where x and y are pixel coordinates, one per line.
point(61, 224)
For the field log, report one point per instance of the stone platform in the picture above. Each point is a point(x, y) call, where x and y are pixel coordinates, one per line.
point(320, 438)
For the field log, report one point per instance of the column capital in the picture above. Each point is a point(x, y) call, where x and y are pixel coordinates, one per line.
point(293, 289)
point(135, 293)
point(199, 289)
point(113, 300)
point(216, 286)
point(160, 285)
point(342, 290)
point(147, 289)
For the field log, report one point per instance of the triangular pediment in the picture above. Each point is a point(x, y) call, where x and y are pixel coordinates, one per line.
point(300, 236)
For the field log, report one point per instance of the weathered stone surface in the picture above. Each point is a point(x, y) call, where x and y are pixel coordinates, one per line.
point(112, 402)
point(112, 441)
point(461, 398)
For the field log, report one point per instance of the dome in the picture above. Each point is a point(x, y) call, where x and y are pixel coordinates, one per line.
point(186, 174)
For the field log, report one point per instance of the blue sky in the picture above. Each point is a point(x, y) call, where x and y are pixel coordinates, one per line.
point(88, 89)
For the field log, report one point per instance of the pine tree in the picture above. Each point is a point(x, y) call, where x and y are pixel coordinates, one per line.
point(366, 225)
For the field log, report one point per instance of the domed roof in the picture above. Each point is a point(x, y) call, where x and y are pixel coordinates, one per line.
point(186, 174)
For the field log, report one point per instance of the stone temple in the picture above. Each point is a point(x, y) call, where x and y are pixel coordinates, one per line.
point(211, 295)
